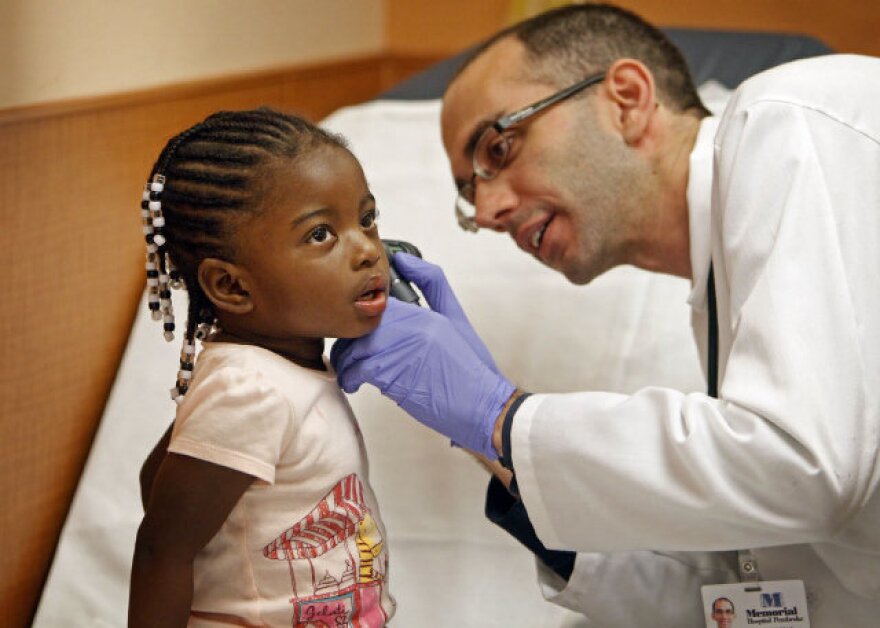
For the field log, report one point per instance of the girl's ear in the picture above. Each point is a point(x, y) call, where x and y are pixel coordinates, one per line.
point(223, 283)
point(630, 86)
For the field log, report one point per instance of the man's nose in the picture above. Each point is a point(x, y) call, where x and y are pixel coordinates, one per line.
point(495, 203)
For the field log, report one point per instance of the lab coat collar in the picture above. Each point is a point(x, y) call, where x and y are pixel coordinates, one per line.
point(699, 199)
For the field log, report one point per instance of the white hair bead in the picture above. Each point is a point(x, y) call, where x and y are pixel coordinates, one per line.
point(151, 265)
point(146, 195)
point(156, 315)
point(169, 336)
point(145, 214)
point(152, 248)
point(159, 239)
point(155, 206)
point(186, 374)
point(159, 221)
point(189, 349)
point(152, 281)
point(157, 186)
point(148, 229)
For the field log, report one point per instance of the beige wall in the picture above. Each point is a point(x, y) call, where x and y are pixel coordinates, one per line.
point(66, 49)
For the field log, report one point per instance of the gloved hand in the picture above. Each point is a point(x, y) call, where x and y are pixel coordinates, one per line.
point(432, 282)
point(418, 358)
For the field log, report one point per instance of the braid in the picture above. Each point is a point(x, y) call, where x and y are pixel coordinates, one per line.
point(204, 178)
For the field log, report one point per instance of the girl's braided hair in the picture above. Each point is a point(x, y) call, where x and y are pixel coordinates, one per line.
point(205, 179)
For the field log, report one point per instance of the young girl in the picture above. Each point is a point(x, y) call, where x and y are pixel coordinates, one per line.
point(261, 513)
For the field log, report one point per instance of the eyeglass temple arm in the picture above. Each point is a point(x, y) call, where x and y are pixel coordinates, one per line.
point(534, 108)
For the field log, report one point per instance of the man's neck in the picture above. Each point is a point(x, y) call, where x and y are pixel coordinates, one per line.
point(668, 232)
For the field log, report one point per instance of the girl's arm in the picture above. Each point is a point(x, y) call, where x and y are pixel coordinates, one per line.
point(151, 466)
point(190, 500)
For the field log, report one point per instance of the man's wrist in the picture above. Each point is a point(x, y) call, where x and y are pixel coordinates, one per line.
point(503, 427)
point(499, 422)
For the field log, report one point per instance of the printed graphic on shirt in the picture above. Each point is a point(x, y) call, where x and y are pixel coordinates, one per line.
point(339, 549)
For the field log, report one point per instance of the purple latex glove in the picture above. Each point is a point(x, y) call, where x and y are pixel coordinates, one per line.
point(432, 282)
point(418, 358)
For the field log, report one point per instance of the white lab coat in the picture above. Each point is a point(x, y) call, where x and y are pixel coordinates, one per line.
point(785, 199)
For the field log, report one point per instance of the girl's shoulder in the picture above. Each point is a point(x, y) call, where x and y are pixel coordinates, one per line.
point(265, 366)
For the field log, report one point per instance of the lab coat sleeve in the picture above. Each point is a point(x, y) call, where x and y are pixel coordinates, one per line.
point(788, 454)
point(616, 589)
point(638, 588)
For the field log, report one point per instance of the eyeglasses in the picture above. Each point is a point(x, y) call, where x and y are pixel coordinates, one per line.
point(492, 149)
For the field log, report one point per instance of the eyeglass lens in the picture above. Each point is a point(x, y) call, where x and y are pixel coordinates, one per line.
point(490, 153)
point(465, 210)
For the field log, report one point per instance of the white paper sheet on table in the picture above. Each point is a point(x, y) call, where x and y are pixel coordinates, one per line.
point(449, 566)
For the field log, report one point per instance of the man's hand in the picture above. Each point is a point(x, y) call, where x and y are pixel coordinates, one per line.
point(420, 360)
point(431, 280)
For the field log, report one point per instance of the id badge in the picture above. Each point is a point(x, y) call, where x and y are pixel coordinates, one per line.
point(777, 603)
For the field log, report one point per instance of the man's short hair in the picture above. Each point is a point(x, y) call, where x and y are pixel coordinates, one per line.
point(723, 599)
point(568, 43)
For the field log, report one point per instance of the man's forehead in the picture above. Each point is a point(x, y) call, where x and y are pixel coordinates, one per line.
point(481, 92)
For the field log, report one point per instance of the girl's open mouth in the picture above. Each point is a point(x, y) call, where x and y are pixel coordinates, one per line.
point(372, 302)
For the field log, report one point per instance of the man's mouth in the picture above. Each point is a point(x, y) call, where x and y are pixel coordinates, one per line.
point(531, 242)
point(538, 236)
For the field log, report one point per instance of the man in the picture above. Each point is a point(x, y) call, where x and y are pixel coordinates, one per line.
point(580, 135)
point(723, 612)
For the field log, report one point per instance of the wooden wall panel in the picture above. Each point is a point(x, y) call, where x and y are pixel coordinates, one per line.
point(441, 27)
point(450, 26)
point(845, 25)
point(71, 255)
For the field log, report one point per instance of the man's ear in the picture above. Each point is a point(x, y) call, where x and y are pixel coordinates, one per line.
point(630, 86)
point(225, 285)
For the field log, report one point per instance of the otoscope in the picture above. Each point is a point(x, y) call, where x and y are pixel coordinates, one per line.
point(400, 288)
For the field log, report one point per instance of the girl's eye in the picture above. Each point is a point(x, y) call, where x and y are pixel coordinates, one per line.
point(320, 234)
point(369, 218)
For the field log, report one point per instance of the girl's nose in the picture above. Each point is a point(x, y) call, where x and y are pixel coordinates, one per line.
point(367, 250)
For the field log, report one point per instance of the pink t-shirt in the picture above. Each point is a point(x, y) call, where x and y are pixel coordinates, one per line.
point(305, 545)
